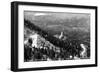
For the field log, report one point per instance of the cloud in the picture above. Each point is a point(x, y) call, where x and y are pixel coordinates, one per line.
point(39, 14)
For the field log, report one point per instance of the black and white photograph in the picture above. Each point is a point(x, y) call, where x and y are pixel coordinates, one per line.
point(50, 36)
point(53, 36)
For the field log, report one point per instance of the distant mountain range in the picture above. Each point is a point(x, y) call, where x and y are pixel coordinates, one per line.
point(56, 22)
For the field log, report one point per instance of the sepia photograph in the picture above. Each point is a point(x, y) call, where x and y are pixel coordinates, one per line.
point(52, 36)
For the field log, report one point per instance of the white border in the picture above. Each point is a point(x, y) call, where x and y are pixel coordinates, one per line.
point(22, 64)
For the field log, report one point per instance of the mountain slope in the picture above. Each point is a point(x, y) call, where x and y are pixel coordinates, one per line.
point(48, 37)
